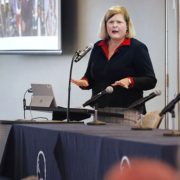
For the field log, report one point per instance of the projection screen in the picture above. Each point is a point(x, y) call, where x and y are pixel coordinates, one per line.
point(30, 26)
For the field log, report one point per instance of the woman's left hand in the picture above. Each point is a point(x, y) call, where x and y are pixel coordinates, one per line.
point(122, 82)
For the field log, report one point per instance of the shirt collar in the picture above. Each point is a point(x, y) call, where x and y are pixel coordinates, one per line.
point(126, 42)
point(103, 44)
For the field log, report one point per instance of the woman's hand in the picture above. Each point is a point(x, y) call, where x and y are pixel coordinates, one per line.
point(123, 82)
point(80, 83)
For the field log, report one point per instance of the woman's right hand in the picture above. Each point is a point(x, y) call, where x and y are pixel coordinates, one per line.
point(80, 83)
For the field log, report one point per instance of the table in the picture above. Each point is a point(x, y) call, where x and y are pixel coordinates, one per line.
point(77, 151)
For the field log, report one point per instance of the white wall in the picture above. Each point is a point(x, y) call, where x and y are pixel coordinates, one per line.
point(80, 22)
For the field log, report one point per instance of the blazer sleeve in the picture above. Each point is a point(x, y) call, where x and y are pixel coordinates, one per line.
point(145, 78)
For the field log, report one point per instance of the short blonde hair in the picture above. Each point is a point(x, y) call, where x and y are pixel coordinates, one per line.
point(110, 13)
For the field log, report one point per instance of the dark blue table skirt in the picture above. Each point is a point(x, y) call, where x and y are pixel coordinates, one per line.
point(79, 152)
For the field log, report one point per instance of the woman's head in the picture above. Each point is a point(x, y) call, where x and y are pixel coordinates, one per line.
point(115, 11)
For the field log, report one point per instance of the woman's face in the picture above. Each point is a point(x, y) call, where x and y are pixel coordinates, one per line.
point(116, 27)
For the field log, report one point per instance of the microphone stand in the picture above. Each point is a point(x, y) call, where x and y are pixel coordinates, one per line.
point(24, 101)
point(95, 116)
point(173, 132)
point(76, 56)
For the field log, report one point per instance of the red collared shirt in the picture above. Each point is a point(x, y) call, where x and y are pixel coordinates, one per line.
point(104, 45)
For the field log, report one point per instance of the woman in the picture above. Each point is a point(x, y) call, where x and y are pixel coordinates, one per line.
point(119, 60)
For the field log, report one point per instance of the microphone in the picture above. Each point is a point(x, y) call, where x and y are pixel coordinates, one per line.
point(108, 90)
point(24, 100)
point(170, 105)
point(30, 90)
point(82, 53)
point(144, 99)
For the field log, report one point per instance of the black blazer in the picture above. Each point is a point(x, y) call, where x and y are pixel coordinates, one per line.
point(128, 61)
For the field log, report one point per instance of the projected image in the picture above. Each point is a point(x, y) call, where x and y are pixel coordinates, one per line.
point(29, 19)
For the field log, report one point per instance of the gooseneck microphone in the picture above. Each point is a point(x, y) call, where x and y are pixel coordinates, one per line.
point(82, 53)
point(153, 119)
point(96, 97)
point(170, 106)
point(77, 57)
point(144, 99)
point(24, 100)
